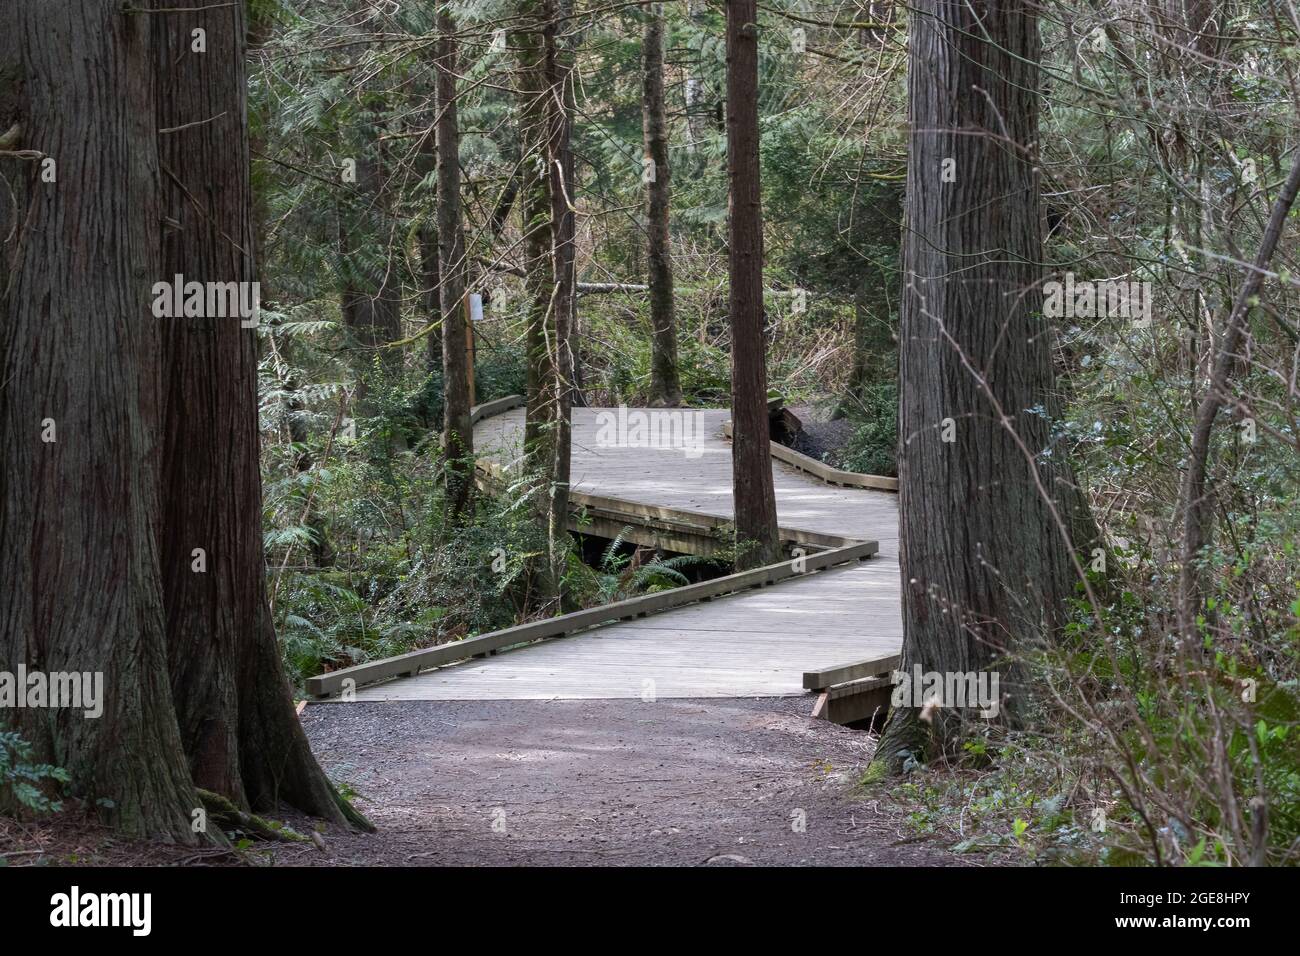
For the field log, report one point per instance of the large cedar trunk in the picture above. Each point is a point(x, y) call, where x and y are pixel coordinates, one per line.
point(79, 347)
point(232, 700)
point(665, 384)
point(755, 499)
point(985, 571)
point(457, 430)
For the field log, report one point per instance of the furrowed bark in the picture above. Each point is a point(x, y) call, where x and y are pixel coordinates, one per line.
point(752, 489)
point(232, 700)
point(79, 355)
point(985, 571)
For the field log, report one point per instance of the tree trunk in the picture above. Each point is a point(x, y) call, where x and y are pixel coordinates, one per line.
point(560, 53)
point(430, 268)
point(78, 408)
point(665, 384)
point(985, 567)
point(232, 700)
point(1197, 503)
point(559, 102)
point(371, 288)
point(457, 430)
point(699, 111)
point(539, 274)
point(755, 500)
point(545, 65)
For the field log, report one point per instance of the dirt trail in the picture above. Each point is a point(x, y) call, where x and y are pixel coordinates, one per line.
point(608, 782)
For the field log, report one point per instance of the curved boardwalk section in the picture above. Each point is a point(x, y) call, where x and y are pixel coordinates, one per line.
point(694, 473)
point(753, 644)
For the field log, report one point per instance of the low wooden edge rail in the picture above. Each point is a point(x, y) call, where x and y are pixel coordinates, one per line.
point(494, 407)
point(855, 691)
point(823, 471)
point(829, 676)
point(674, 521)
point(411, 663)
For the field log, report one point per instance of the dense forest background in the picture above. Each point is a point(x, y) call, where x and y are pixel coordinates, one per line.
point(355, 570)
point(405, 154)
point(1165, 132)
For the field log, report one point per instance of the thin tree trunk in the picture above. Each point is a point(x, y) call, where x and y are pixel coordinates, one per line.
point(559, 102)
point(78, 407)
point(371, 290)
point(303, 461)
point(545, 67)
point(1196, 499)
point(430, 267)
point(457, 431)
point(665, 384)
point(698, 110)
point(985, 568)
point(538, 265)
point(754, 497)
point(855, 388)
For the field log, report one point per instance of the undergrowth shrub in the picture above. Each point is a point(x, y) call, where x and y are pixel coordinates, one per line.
point(872, 445)
point(24, 784)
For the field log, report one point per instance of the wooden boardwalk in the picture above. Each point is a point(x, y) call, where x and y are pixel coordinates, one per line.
point(697, 477)
point(756, 643)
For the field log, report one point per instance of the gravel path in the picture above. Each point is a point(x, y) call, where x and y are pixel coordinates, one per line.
point(675, 782)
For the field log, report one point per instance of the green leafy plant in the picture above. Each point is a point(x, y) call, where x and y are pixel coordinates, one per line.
point(24, 784)
point(872, 448)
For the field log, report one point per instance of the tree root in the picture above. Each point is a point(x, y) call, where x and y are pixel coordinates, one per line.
point(229, 817)
point(906, 739)
point(351, 813)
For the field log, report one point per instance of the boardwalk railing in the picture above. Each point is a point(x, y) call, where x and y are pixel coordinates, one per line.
point(823, 471)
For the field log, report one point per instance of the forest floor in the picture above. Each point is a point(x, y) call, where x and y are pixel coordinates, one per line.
point(598, 782)
point(822, 437)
